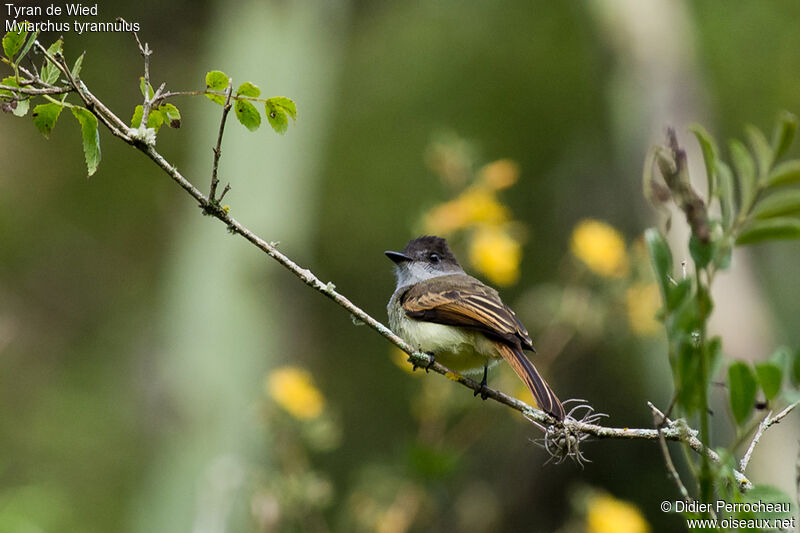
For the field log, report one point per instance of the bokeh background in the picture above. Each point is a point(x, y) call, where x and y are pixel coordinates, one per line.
point(158, 374)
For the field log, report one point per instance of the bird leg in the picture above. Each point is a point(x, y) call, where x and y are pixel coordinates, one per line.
point(482, 390)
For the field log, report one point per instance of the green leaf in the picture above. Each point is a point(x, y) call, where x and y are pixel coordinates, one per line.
point(780, 203)
point(701, 252)
point(22, 107)
point(725, 188)
point(660, 258)
point(796, 367)
point(248, 89)
point(786, 173)
point(742, 387)
point(770, 375)
point(154, 120)
point(50, 72)
point(745, 170)
point(9, 82)
point(784, 133)
point(277, 109)
point(678, 293)
point(76, 68)
point(13, 41)
point(287, 104)
point(216, 81)
point(91, 137)
point(770, 229)
point(28, 45)
point(709, 148)
point(150, 91)
point(45, 117)
point(171, 115)
point(760, 146)
point(247, 114)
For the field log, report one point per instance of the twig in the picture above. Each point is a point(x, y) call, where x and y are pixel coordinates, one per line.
point(35, 91)
point(218, 149)
point(765, 424)
point(660, 420)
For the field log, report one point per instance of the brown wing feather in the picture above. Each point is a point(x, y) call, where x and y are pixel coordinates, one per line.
point(471, 304)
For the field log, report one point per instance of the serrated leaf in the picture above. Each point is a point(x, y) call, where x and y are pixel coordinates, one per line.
point(216, 80)
point(770, 229)
point(745, 170)
point(786, 173)
point(725, 188)
point(247, 114)
point(91, 137)
point(13, 41)
point(171, 115)
point(150, 91)
point(45, 117)
point(770, 376)
point(660, 258)
point(784, 133)
point(779, 203)
point(154, 120)
point(50, 72)
point(760, 146)
point(278, 109)
point(710, 151)
point(742, 387)
point(248, 89)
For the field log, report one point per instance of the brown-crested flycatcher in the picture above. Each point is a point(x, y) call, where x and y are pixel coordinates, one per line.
point(460, 321)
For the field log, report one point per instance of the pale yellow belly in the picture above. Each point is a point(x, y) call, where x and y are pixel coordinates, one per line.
point(459, 349)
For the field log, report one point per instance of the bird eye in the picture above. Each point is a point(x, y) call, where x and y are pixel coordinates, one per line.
point(434, 258)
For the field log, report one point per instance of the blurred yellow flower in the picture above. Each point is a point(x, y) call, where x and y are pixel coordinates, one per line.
point(494, 253)
point(601, 247)
point(400, 358)
point(499, 174)
point(643, 300)
point(293, 389)
point(606, 514)
point(476, 205)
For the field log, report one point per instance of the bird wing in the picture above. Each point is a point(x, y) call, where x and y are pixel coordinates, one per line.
point(461, 300)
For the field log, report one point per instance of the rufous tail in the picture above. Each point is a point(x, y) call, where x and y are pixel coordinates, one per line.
point(542, 393)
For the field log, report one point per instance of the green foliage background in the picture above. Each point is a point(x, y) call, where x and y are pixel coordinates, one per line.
point(111, 403)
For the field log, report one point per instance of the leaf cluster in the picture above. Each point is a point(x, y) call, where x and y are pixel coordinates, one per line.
point(750, 200)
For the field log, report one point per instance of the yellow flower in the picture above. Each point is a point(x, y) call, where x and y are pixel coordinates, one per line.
point(292, 388)
point(607, 514)
point(601, 247)
point(476, 205)
point(499, 174)
point(400, 358)
point(496, 254)
point(643, 301)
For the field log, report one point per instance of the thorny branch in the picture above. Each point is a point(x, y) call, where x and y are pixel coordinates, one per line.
point(570, 432)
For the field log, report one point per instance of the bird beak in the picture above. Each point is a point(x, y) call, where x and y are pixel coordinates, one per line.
point(397, 257)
